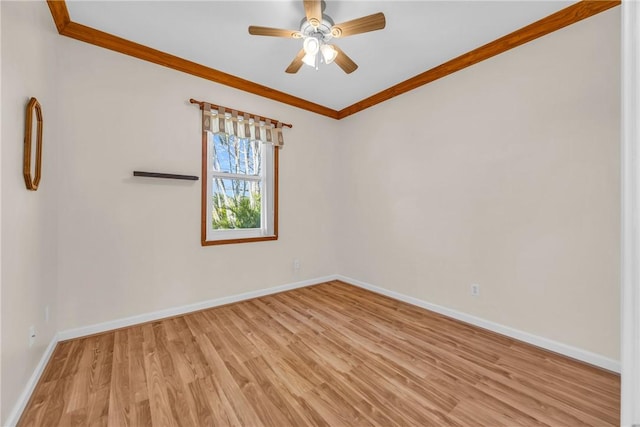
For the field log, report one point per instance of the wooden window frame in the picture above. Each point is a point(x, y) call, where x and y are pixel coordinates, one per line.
point(205, 220)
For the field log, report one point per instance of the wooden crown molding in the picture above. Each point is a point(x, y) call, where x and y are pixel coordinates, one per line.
point(68, 28)
point(567, 16)
point(60, 14)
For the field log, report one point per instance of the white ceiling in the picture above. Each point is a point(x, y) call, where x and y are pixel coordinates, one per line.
point(419, 35)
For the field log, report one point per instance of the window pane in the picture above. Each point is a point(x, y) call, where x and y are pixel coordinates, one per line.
point(236, 204)
point(236, 155)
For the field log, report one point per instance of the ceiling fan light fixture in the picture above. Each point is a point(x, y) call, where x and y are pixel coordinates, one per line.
point(309, 59)
point(328, 53)
point(317, 29)
point(311, 45)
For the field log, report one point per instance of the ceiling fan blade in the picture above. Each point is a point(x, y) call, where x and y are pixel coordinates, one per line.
point(360, 25)
point(273, 32)
point(344, 62)
point(296, 63)
point(313, 11)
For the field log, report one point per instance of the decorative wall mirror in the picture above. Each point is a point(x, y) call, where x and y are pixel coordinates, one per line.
point(33, 179)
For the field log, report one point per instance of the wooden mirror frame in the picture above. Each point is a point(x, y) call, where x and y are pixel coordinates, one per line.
point(32, 181)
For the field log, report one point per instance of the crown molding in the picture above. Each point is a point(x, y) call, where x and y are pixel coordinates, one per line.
point(567, 16)
point(80, 32)
point(60, 14)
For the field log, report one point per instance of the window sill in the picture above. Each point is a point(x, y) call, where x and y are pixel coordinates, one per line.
point(238, 240)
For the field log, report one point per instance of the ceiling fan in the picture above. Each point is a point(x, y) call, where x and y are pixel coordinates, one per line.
point(316, 30)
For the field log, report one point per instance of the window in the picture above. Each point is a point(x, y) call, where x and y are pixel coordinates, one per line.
point(240, 181)
point(240, 191)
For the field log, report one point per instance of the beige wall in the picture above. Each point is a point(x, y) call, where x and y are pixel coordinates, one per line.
point(129, 245)
point(29, 219)
point(505, 174)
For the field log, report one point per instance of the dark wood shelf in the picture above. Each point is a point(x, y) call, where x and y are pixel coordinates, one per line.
point(165, 175)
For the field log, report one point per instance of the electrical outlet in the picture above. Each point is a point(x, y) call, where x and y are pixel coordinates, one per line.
point(296, 264)
point(32, 335)
point(475, 290)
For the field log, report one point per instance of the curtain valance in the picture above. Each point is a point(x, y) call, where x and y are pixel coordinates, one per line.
point(217, 119)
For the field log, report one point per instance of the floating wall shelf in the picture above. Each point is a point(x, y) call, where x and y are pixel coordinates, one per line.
point(165, 175)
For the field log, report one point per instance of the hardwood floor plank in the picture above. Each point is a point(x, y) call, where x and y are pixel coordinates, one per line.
point(271, 308)
point(138, 390)
point(227, 389)
point(141, 414)
point(332, 407)
point(183, 408)
point(603, 387)
point(326, 355)
point(159, 405)
point(75, 418)
point(120, 396)
point(59, 358)
point(406, 383)
point(542, 409)
point(206, 414)
point(270, 387)
point(72, 361)
point(402, 402)
point(345, 391)
point(38, 405)
point(284, 303)
point(269, 414)
point(295, 374)
point(119, 409)
point(98, 408)
point(235, 342)
point(57, 401)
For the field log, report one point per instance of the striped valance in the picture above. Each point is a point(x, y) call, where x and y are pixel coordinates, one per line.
point(241, 125)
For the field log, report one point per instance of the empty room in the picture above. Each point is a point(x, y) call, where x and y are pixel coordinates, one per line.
point(319, 213)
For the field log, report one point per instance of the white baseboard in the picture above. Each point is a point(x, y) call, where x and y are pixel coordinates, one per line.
point(555, 346)
point(176, 311)
point(21, 404)
point(548, 344)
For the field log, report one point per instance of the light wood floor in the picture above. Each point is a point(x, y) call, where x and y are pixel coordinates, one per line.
point(326, 355)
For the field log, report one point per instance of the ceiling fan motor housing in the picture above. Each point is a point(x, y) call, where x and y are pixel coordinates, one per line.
point(323, 30)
